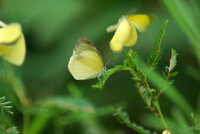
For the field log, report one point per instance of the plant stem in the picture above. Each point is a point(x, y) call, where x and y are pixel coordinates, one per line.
point(19, 90)
point(157, 106)
point(160, 114)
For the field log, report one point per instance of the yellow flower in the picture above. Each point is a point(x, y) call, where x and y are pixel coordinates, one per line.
point(12, 43)
point(126, 34)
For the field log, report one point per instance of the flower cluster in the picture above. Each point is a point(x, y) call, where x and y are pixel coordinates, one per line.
point(126, 34)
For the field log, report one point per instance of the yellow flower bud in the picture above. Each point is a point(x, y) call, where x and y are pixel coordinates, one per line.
point(166, 132)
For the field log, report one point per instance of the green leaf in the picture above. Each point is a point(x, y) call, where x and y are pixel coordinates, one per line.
point(152, 121)
point(192, 72)
point(172, 61)
point(53, 106)
point(12, 130)
point(123, 117)
point(173, 74)
point(181, 121)
point(106, 75)
point(40, 121)
point(172, 92)
point(68, 104)
point(8, 130)
point(131, 59)
point(4, 105)
point(183, 14)
point(155, 55)
point(198, 103)
point(74, 90)
point(196, 126)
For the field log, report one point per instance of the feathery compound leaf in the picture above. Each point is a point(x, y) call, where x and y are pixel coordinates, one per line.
point(123, 117)
point(196, 126)
point(172, 61)
point(4, 105)
point(106, 75)
point(12, 130)
point(168, 74)
point(155, 55)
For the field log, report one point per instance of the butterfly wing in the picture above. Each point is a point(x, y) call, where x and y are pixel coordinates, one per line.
point(86, 62)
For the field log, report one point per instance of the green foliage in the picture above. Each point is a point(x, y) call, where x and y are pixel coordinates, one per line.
point(148, 94)
point(196, 126)
point(192, 72)
point(10, 130)
point(5, 105)
point(68, 104)
point(155, 55)
point(131, 62)
point(172, 61)
point(123, 118)
point(106, 75)
point(186, 17)
point(50, 43)
point(168, 74)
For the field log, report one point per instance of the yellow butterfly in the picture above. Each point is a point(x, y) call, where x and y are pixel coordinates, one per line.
point(86, 61)
point(126, 34)
point(12, 43)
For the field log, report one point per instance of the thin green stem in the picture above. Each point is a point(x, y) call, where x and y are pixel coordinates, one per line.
point(160, 114)
point(144, 82)
point(125, 54)
point(141, 93)
point(20, 92)
point(157, 106)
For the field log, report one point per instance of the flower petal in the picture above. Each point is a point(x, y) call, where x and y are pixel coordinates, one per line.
point(125, 35)
point(15, 54)
point(141, 22)
point(10, 33)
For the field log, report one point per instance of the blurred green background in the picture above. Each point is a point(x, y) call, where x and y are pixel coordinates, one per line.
point(51, 30)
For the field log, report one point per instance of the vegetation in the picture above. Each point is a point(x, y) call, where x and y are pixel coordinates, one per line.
point(134, 95)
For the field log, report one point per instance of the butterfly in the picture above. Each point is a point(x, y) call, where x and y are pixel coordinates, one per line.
point(86, 61)
point(126, 33)
point(12, 43)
